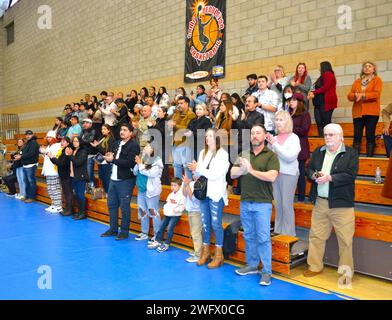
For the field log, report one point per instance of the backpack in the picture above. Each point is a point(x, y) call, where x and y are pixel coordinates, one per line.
point(230, 238)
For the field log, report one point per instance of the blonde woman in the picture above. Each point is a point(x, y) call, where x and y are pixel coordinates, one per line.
point(277, 82)
point(287, 146)
point(365, 94)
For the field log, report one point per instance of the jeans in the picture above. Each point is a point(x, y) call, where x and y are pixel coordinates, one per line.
point(104, 172)
point(322, 118)
point(90, 171)
point(30, 181)
point(256, 222)
point(388, 144)
point(182, 155)
point(211, 216)
point(170, 223)
point(21, 181)
point(119, 196)
point(79, 187)
point(370, 122)
point(146, 205)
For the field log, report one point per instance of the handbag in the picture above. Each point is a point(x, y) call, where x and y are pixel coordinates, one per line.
point(200, 186)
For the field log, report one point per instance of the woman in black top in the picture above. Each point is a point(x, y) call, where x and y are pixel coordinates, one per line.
point(122, 117)
point(105, 145)
point(131, 101)
point(79, 175)
point(63, 163)
point(235, 97)
point(160, 125)
point(202, 122)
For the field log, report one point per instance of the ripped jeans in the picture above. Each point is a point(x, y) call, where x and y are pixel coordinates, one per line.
point(211, 216)
point(148, 207)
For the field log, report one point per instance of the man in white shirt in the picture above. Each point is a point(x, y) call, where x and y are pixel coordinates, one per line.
point(268, 103)
point(108, 111)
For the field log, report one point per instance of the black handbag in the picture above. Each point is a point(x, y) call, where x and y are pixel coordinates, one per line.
point(200, 186)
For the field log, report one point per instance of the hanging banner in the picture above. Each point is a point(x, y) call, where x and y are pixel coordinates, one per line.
point(206, 39)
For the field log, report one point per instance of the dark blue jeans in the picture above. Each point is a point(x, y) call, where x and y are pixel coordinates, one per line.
point(170, 223)
point(104, 172)
point(90, 170)
point(30, 181)
point(388, 144)
point(79, 187)
point(119, 196)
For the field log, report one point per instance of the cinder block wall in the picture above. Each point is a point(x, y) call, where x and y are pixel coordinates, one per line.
point(123, 44)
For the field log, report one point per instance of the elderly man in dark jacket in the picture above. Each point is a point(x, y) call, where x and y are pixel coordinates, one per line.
point(332, 169)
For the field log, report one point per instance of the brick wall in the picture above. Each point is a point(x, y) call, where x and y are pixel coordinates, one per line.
point(124, 44)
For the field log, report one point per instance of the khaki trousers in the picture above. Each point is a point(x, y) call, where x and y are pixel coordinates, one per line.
point(196, 227)
point(323, 219)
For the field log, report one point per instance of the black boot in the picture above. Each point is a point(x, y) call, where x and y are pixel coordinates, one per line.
point(320, 130)
point(82, 210)
point(357, 147)
point(370, 149)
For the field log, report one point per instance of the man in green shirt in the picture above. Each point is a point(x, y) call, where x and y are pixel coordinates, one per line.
point(257, 171)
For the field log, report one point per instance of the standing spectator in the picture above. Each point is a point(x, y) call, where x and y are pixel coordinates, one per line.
point(287, 146)
point(67, 114)
point(18, 168)
point(79, 175)
point(252, 116)
point(257, 173)
point(277, 82)
point(366, 93)
point(63, 163)
point(213, 164)
point(332, 169)
point(108, 111)
point(162, 98)
point(324, 96)
point(200, 98)
point(154, 107)
point(149, 171)
point(237, 102)
point(57, 124)
point(214, 97)
point(387, 130)
point(131, 101)
point(121, 114)
point(301, 127)
point(268, 102)
point(302, 81)
point(288, 92)
point(75, 130)
point(122, 182)
point(103, 95)
point(173, 209)
point(50, 172)
point(181, 151)
point(103, 146)
point(160, 125)
point(253, 87)
point(192, 206)
point(236, 113)
point(86, 138)
point(197, 128)
point(96, 116)
point(152, 92)
point(146, 122)
point(29, 158)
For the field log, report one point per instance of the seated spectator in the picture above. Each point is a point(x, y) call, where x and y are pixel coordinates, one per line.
point(82, 114)
point(162, 98)
point(152, 92)
point(57, 123)
point(131, 101)
point(62, 132)
point(148, 170)
point(301, 127)
point(277, 82)
point(366, 94)
point(173, 209)
point(237, 102)
point(75, 130)
point(387, 130)
point(67, 115)
point(143, 96)
point(201, 96)
point(192, 206)
point(236, 112)
point(253, 87)
point(154, 107)
point(302, 81)
point(287, 146)
point(268, 103)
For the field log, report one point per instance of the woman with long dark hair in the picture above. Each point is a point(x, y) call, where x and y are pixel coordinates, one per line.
point(162, 98)
point(160, 125)
point(324, 96)
point(201, 96)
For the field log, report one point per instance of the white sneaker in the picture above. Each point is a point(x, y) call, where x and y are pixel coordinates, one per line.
point(192, 259)
point(56, 210)
point(141, 236)
point(21, 198)
point(17, 196)
point(191, 253)
point(49, 209)
point(153, 245)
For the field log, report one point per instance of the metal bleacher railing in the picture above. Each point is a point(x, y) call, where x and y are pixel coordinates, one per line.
point(9, 125)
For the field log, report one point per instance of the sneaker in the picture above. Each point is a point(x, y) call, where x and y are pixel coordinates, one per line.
point(49, 209)
point(27, 200)
point(141, 236)
point(17, 196)
point(163, 247)
point(191, 253)
point(151, 240)
point(192, 259)
point(265, 279)
point(153, 245)
point(56, 210)
point(247, 270)
point(22, 198)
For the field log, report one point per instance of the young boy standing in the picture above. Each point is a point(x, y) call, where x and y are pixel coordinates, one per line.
point(175, 205)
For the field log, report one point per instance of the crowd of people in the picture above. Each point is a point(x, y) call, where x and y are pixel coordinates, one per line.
point(259, 140)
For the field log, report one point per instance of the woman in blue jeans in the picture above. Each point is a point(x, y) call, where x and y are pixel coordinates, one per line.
point(79, 176)
point(19, 173)
point(213, 163)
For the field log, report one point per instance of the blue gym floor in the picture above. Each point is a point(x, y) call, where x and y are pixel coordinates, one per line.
point(86, 266)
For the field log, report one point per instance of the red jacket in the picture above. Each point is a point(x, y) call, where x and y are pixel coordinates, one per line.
point(329, 89)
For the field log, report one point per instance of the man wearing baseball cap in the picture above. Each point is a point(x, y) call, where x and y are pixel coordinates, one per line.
point(29, 157)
